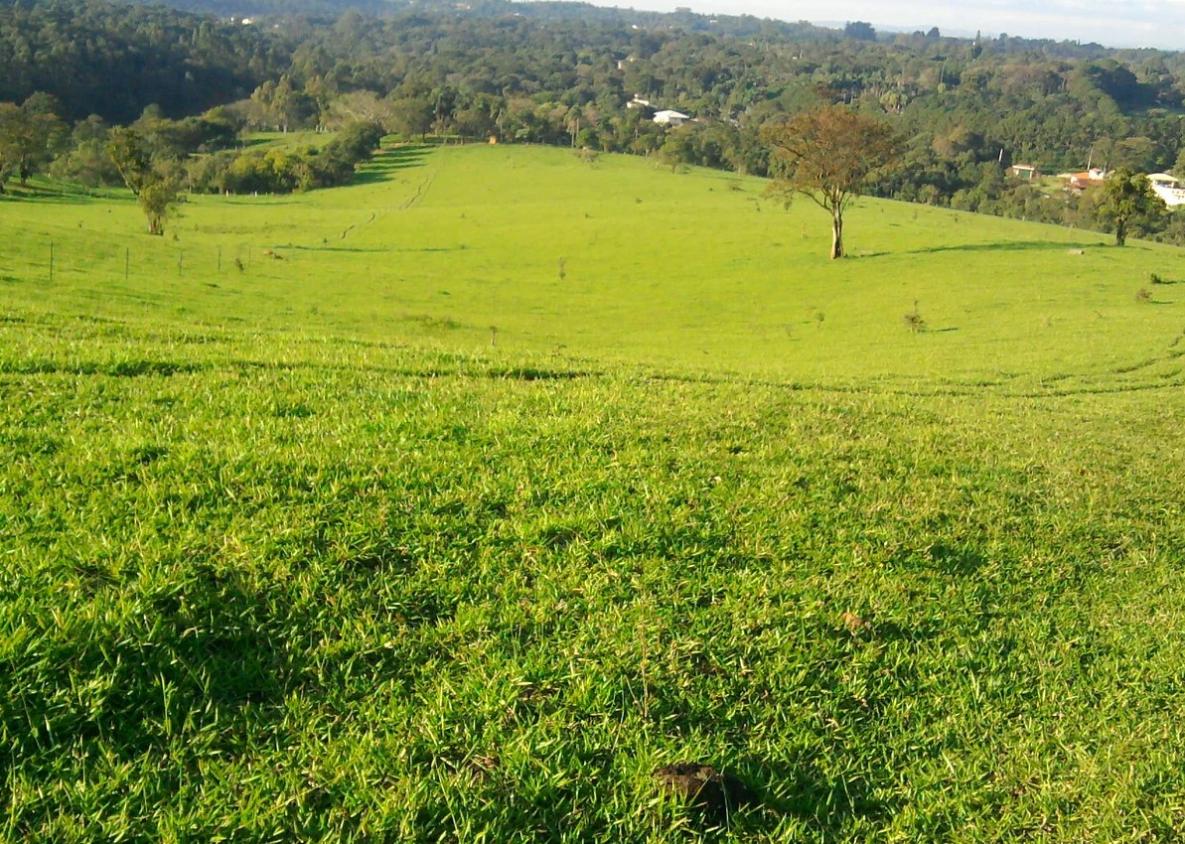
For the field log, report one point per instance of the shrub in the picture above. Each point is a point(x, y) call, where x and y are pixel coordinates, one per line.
point(284, 171)
point(914, 320)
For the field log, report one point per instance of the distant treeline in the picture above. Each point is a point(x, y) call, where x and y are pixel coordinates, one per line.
point(560, 73)
point(115, 60)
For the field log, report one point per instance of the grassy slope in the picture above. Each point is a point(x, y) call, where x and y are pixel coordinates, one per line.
point(661, 269)
point(293, 552)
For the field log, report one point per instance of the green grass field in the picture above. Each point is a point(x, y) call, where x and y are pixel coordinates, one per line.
point(478, 490)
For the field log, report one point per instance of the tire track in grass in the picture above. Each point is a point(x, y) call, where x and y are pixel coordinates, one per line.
point(411, 202)
point(421, 191)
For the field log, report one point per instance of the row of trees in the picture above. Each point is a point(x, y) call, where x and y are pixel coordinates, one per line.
point(829, 154)
point(546, 72)
point(563, 74)
point(30, 135)
point(279, 170)
point(157, 158)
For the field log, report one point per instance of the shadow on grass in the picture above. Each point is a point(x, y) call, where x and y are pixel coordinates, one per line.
point(366, 249)
point(65, 195)
point(828, 805)
point(131, 368)
point(208, 645)
point(1001, 246)
point(387, 162)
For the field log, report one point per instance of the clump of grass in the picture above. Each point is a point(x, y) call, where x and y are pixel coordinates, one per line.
point(1143, 295)
point(1156, 278)
point(914, 320)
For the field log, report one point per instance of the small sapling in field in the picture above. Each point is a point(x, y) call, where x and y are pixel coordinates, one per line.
point(914, 320)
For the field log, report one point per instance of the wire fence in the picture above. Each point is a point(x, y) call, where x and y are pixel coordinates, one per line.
point(51, 259)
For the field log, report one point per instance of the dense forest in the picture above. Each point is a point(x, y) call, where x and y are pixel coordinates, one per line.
point(566, 73)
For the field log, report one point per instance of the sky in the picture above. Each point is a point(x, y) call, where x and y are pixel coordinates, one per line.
point(1115, 23)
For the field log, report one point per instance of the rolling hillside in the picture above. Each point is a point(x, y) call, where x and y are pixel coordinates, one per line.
point(453, 504)
point(620, 261)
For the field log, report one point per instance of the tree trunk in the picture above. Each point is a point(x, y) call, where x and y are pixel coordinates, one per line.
point(836, 234)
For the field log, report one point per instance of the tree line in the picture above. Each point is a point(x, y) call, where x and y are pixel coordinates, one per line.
point(559, 73)
point(158, 158)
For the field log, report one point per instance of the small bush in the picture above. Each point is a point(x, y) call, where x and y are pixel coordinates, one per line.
point(914, 320)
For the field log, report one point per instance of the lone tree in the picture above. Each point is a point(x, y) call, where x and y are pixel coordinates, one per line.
point(153, 176)
point(156, 197)
point(1127, 198)
point(828, 155)
point(132, 156)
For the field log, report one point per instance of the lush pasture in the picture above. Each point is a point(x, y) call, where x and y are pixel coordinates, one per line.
point(620, 260)
point(402, 535)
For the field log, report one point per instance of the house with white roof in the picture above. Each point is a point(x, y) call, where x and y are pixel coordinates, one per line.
point(670, 117)
point(1168, 188)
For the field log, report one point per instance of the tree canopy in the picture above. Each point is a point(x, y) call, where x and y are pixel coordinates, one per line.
point(565, 73)
point(828, 155)
point(1127, 198)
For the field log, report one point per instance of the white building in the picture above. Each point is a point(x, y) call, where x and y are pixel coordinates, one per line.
point(1087, 178)
point(1168, 188)
point(670, 117)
